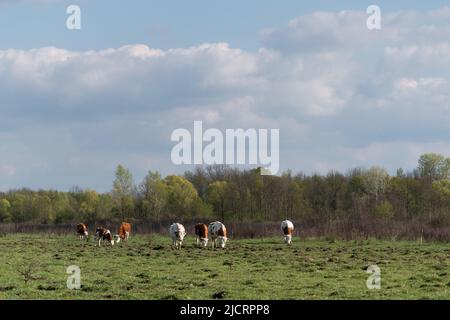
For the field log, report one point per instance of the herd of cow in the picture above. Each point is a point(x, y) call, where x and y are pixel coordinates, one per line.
point(216, 230)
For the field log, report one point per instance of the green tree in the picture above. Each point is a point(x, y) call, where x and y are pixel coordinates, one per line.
point(376, 181)
point(181, 196)
point(215, 195)
point(62, 207)
point(434, 167)
point(89, 205)
point(105, 207)
point(5, 214)
point(20, 208)
point(384, 210)
point(443, 186)
point(42, 208)
point(123, 192)
point(154, 193)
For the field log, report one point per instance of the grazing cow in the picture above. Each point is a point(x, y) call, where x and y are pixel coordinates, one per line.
point(124, 232)
point(82, 231)
point(201, 231)
point(104, 234)
point(218, 234)
point(287, 227)
point(177, 232)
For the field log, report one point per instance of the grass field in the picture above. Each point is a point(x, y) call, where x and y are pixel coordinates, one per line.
point(34, 267)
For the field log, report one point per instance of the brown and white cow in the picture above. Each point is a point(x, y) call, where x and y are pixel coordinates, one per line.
point(201, 231)
point(218, 234)
point(82, 231)
point(287, 227)
point(124, 232)
point(103, 234)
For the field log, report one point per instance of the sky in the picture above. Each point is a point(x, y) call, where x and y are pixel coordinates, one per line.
point(76, 103)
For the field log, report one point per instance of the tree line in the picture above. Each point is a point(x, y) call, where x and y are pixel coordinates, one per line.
point(361, 196)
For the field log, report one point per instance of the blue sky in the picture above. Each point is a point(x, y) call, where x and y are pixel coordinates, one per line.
point(75, 104)
point(164, 23)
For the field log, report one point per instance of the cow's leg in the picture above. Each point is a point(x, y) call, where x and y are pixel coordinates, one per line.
point(198, 240)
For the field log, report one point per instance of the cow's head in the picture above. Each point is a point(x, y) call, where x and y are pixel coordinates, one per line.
point(117, 238)
point(181, 236)
point(221, 241)
point(204, 242)
point(98, 232)
point(108, 236)
point(288, 238)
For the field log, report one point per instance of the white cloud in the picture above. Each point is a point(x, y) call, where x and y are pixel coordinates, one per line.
point(347, 30)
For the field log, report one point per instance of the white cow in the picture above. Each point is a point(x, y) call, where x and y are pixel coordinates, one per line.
point(287, 227)
point(218, 234)
point(177, 232)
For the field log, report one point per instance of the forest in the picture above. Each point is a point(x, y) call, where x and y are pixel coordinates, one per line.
point(359, 202)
